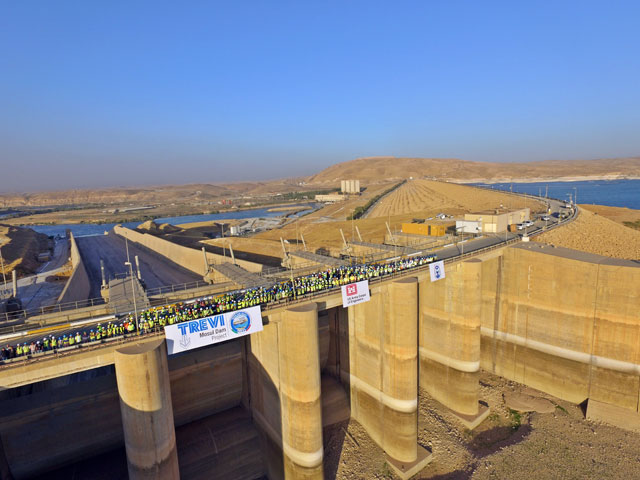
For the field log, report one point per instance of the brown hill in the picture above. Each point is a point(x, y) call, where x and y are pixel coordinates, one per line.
point(191, 193)
point(20, 248)
point(387, 168)
point(432, 197)
point(594, 233)
point(368, 170)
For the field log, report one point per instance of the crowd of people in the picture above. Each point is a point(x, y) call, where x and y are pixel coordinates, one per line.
point(157, 318)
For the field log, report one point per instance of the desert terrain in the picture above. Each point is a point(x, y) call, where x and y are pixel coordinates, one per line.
point(451, 169)
point(425, 196)
point(369, 171)
point(598, 233)
point(20, 248)
point(552, 441)
point(414, 199)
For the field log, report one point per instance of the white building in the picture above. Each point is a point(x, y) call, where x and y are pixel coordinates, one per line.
point(350, 186)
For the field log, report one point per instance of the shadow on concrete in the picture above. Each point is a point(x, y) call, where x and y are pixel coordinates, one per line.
point(108, 466)
point(336, 367)
point(263, 400)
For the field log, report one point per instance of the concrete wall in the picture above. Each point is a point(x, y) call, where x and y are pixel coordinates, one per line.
point(188, 258)
point(563, 322)
point(450, 337)
point(560, 321)
point(284, 381)
point(78, 286)
point(378, 361)
point(75, 417)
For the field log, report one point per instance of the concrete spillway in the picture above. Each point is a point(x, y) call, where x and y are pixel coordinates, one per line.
point(530, 313)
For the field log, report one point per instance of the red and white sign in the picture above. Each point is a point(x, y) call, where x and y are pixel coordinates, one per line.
point(355, 293)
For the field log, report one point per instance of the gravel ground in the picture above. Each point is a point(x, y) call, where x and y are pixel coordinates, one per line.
point(508, 445)
point(594, 233)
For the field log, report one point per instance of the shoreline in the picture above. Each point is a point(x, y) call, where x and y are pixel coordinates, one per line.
point(583, 178)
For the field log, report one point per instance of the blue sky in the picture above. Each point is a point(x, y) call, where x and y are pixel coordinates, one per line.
point(139, 93)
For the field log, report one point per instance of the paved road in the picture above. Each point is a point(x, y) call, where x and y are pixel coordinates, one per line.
point(34, 291)
point(157, 271)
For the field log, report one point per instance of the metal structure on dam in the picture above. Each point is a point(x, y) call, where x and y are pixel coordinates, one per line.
point(560, 321)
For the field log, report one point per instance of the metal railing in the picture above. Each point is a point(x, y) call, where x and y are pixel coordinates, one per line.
point(289, 301)
point(280, 272)
point(44, 310)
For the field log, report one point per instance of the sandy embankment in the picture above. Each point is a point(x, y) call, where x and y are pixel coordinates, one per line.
point(20, 248)
point(593, 233)
point(508, 445)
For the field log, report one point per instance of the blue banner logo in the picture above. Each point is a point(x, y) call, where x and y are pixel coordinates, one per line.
point(240, 322)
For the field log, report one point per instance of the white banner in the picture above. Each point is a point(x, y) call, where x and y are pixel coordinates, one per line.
point(437, 270)
point(209, 330)
point(355, 293)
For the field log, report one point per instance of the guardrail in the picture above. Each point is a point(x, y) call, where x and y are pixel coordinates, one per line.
point(286, 302)
point(8, 317)
point(273, 271)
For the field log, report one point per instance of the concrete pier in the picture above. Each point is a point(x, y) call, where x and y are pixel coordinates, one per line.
point(450, 317)
point(300, 391)
point(400, 371)
point(147, 414)
point(382, 372)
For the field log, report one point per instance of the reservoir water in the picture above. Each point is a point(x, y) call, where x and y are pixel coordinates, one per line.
point(85, 229)
point(614, 193)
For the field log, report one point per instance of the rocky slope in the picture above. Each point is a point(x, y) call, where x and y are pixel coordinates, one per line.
point(379, 168)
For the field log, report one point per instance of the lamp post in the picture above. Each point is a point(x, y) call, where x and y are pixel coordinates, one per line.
point(461, 227)
point(133, 294)
point(4, 277)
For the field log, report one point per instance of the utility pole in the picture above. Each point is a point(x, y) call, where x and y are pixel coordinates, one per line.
point(126, 242)
point(104, 280)
point(206, 263)
point(4, 277)
point(133, 293)
point(138, 267)
point(224, 253)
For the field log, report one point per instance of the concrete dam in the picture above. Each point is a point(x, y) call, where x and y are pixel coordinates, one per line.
point(560, 321)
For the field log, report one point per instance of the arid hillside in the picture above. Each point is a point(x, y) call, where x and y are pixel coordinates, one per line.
point(150, 194)
point(368, 170)
point(415, 199)
point(419, 195)
point(594, 233)
point(388, 168)
point(20, 248)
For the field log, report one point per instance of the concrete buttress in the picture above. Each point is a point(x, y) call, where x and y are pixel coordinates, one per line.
point(450, 317)
point(147, 414)
point(300, 391)
point(382, 372)
point(400, 371)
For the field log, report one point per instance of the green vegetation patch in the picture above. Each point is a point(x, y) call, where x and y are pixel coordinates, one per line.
point(516, 419)
point(635, 225)
point(360, 211)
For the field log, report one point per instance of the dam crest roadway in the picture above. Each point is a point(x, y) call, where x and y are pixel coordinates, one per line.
point(272, 398)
